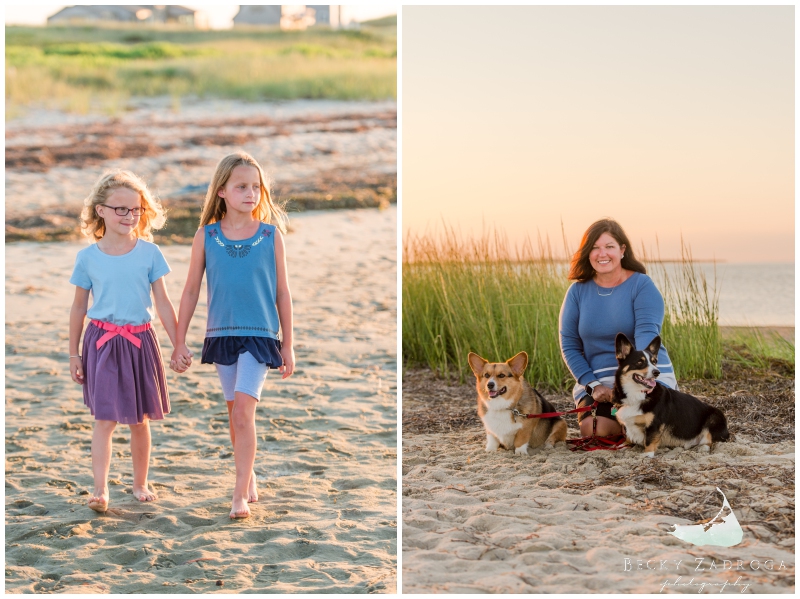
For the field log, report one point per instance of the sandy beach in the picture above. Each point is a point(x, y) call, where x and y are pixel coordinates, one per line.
point(558, 521)
point(326, 463)
point(317, 153)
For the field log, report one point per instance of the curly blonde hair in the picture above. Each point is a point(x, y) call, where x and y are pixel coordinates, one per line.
point(153, 216)
point(267, 210)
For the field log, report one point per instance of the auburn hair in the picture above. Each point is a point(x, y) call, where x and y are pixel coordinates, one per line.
point(580, 269)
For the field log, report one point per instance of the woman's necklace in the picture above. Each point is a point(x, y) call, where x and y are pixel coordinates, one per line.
point(622, 274)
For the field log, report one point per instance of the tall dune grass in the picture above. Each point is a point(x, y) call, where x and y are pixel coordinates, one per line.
point(691, 317)
point(487, 296)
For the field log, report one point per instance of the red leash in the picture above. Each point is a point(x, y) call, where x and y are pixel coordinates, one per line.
point(592, 443)
point(553, 414)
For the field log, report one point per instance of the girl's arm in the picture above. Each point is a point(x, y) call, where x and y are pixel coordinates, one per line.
point(189, 297)
point(77, 315)
point(165, 309)
point(284, 302)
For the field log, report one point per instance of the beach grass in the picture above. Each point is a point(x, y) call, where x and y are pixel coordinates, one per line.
point(94, 68)
point(496, 299)
point(757, 347)
point(691, 316)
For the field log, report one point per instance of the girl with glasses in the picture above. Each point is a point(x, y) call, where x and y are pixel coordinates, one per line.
point(120, 366)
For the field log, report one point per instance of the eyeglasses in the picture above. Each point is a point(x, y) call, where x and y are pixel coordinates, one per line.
point(122, 211)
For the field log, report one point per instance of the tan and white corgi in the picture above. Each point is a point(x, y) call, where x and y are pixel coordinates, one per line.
point(501, 389)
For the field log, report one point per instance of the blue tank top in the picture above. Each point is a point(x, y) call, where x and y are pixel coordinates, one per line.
point(242, 284)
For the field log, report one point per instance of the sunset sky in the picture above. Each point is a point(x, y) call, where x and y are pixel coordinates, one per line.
point(673, 120)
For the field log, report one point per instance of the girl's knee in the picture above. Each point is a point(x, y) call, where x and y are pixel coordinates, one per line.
point(242, 420)
point(106, 426)
point(243, 414)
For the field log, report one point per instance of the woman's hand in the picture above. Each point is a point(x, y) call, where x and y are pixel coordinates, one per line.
point(181, 358)
point(603, 394)
point(76, 370)
point(287, 353)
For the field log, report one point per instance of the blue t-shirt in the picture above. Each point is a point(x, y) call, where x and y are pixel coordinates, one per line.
point(591, 316)
point(120, 285)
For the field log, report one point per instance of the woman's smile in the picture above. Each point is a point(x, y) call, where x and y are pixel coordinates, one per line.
point(606, 255)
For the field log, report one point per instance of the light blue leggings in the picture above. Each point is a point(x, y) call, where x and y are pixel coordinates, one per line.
point(247, 375)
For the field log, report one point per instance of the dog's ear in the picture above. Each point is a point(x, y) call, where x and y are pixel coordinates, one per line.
point(518, 364)
point(476, 363)
point(654, 346)
point(623, 346)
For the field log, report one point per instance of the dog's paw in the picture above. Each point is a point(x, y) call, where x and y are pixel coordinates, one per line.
point(650, 454)
point(522, 450)
point(703, 449)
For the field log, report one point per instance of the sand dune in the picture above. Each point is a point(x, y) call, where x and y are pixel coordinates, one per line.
point(326, 465)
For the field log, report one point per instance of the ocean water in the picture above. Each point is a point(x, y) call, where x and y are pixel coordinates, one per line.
point(750, 294)
point(753, 294)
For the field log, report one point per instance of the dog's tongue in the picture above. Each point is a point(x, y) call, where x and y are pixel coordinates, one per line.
point(493, 393)
point(650, 383)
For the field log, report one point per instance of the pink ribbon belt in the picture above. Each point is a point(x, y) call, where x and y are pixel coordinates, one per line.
point(125, 331)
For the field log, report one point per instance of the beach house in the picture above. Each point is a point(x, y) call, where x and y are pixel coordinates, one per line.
point(145, 14)
point(290, 17)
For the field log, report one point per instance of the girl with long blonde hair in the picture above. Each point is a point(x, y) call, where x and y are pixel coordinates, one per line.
point(249, 330)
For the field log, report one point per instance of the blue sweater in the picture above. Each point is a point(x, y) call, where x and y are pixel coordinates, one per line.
point(589, 323)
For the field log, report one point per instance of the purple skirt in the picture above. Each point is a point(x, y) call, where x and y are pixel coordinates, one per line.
point(124, 383)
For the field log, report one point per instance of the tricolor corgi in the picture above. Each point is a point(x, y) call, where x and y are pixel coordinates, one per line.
point(654, 414)
point(502, 389)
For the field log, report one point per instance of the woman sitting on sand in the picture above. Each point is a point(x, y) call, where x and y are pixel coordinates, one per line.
point(611, 294)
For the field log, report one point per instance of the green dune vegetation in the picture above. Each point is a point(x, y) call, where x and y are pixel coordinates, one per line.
point(88, 68)
point(487, 296)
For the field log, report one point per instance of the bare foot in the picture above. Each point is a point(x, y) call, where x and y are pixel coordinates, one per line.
point(252, 491)
point(99, 501)
point(239, 508)
point(143, 493)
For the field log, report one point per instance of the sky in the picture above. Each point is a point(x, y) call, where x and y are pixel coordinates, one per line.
point(676, 121)
point(220, 15)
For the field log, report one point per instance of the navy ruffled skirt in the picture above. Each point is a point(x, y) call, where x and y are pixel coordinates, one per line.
point(226, 350)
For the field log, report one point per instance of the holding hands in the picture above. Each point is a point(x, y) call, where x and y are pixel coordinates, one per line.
point(181, 358)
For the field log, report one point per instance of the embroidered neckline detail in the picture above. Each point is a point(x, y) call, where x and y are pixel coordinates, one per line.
point(238, 249)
